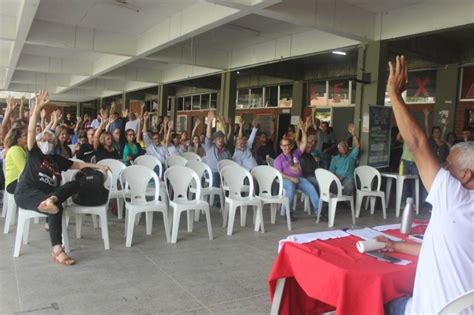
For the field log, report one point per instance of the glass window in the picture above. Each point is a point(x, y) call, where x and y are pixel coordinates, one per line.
point(467, 83)
point(180, 104)
point(205, 101)
point(317, 94)
point(271, 96)
point(338, 93)
point(213, 100)
point(286, 95)
point(187, 103)
point(243, 98)
point(196, 101)
point(421, 87)
point(256, 97)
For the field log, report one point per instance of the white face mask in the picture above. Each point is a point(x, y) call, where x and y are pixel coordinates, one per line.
point(45, 147)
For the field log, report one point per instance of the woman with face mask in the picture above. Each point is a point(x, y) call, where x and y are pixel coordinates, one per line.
point(39, 187)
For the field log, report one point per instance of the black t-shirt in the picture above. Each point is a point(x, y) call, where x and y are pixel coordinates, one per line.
point(43, 172)
point(263, 151)
point(102, 153)
point(308, 164)
point(86, 152)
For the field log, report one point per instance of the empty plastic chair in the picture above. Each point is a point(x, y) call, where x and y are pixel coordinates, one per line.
point(366, 175)
point(325, 178)
point(175, 160)
point(460, 303)
point(10, 206)
point(178, 180)
point(116, 167)
point(265, 177)
point(191, 156)
point(151, 162)
point(135, 181)
point(233, 178)
point(223, 163)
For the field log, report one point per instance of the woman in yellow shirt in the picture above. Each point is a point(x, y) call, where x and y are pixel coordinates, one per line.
point(15, 160)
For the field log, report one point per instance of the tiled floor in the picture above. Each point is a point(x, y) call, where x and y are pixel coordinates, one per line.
point(195, 276)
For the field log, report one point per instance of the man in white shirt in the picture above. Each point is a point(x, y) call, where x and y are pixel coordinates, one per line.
point(132, 122)
point(446, 257)
point(243, 147)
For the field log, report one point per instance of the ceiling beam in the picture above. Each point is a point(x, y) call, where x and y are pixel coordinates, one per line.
point(24, 20)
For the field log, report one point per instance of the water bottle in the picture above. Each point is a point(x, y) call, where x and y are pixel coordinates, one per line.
point(407, 217)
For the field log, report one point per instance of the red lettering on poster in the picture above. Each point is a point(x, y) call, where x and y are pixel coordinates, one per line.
point(422, 83)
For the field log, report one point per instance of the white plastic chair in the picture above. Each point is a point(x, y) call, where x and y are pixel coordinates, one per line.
point(10, 207)
point(233, 178)
point(191, 156)
point(151, 162)
point(366, 175)
point(204, 172)
point(135, 181)
point(265, 177)
point(178, 179)
point(325, 178)
point(116, 167)
point(223, 163)
point(458, 304)
point(101, 211)
point(23, 229)
point(175, 160)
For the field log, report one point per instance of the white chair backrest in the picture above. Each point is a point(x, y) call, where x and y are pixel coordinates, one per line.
point(116, 167)
point(325, 178)
point(135, 181)
point(265, 176)
point(202, 170)
point(175, 160)
point(233, 177)
point(180, 178)
point(366, 175)
point(223, 163)
point(191, 156)
point(151, 162)
point(68, 175)
point(270, 160)
point(457, 305)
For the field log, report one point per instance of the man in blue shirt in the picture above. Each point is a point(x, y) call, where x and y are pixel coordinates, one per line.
point(243, 147)
point(343, 164)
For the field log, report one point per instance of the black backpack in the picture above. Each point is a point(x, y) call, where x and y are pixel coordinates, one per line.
point(92, 191)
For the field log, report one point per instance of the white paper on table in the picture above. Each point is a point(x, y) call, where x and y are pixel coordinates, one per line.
point(368, 233)
point(309, 237)
point(386, 227)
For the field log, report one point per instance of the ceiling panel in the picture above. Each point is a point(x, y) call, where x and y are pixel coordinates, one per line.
point(9, 7)
point(383, 5)
point(61, 53)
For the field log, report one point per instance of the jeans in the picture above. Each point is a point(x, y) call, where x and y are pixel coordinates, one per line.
point(306, 187)
point(409, 186)
point(347, 183)
point(216, 179)
point(397, 306)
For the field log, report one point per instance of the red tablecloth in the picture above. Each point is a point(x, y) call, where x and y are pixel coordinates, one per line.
point(323, 275)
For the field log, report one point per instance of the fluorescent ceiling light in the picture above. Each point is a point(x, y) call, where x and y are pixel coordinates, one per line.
point(338, 52)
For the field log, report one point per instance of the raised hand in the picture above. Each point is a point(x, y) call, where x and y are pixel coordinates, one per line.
point(41, 99)
point(125, 112)
point(426, 112)
point(241, 122)
point(210, 115)
point(308, 122)
point(11, 102)
point(170, 125)
point(166, 119)
point(146, 115)
point(351, 129)
point(198, 122)
point(79, 119)
point(398, 78)
point(43, 114)
point(301, 124)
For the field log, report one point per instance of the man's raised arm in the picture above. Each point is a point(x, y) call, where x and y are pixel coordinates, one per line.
point(412, 134)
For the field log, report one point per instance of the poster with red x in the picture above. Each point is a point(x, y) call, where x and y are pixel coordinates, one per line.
point(467, 83)
point(421, 87)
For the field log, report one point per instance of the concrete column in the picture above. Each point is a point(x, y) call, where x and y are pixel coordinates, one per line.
point(372, 61)
point(125, 101)
point(164, 91)
point(227, 96)
point(78, 109)
point(298, 103)
point(447, 85)
point(172, 100)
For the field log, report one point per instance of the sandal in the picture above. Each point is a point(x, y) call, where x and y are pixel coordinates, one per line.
point(62, 259)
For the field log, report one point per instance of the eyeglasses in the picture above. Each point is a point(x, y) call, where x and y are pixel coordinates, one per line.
point(155, 138)
point(286, 145)
point(130, 134)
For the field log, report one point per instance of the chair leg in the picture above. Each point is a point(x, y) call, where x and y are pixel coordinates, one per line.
point(175, 228)
point(384, 209)
point(5, 203)
point(119, 208)
point(10, 216)
point(78, 225)
point(373, 200)
point(259, 221)
point(130, 227)
point(231, 214)
point(320, 208)
point(332, 212)
point(95, 224)
point(243, 215)
point(197, 214)
point(149, 222)
point(225, 213)
point(190, 216)
point(166, 224)
point(273, 212)
point(67, 249)
point(367, 203)
point(286, 205)
point(208, 220)
point(352, 211)
point(27, 231)
point(105, 230)
point(359, 199)
point(221, 199)
point(20, 228)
